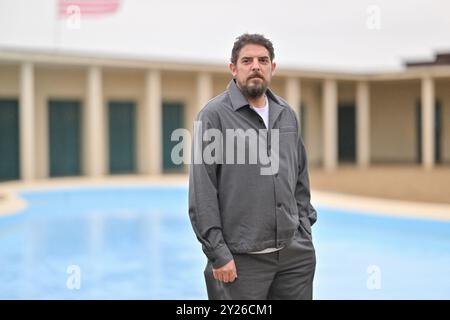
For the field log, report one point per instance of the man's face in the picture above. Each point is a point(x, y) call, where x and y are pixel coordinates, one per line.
point(253, 70)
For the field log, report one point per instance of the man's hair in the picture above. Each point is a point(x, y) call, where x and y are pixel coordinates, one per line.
point(255, 38)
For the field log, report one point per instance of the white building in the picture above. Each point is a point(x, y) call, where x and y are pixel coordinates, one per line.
point(65, 114)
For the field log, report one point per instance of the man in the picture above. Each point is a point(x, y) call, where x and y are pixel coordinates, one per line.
point(254, 227)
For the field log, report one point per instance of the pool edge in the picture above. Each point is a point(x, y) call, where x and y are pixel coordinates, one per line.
point(399, 208)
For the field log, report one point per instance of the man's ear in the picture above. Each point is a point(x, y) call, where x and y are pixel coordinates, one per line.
point(274, 66)
point(233, 69)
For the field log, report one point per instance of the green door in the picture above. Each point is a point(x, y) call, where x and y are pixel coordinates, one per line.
point(121, 137)
point(172, 114)
point(437, 131)
point(64, 136)
point(9, 140)
point(347, 133)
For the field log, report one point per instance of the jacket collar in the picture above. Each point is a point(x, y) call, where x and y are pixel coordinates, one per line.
point(276, 105)
point(238, 100)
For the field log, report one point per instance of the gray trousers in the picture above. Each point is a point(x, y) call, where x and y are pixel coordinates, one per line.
point(286, 274)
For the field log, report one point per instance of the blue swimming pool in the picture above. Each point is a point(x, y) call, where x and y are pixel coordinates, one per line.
point(137, 243)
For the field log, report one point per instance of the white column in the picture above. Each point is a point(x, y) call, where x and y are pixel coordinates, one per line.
point(330, 105)
point(428, 122)
point(363, 124)
point(152, 124)
point(204, 94)
point(293, 94)
point(95, 138)
point(26, 122)
point(204, 89)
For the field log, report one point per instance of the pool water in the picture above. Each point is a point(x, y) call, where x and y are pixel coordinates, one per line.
point(137, 243)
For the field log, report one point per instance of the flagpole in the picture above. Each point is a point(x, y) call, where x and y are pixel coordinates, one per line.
point(57, 27)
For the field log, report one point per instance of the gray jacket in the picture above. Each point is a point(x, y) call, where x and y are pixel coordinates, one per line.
point(232, 207)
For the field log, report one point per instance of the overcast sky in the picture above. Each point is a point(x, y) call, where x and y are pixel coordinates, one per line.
point(320, 34)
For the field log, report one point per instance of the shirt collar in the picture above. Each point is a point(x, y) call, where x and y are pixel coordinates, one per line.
point(266, 104)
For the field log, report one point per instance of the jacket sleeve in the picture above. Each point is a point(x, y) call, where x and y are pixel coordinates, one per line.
point(204, 209)
point(302, 189)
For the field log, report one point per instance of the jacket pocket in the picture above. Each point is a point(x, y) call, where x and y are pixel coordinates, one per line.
point(304, 222)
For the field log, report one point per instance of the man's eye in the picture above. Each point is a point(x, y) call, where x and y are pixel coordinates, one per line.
point(264, 60)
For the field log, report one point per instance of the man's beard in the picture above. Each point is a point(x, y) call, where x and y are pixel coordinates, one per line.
point(254, 89)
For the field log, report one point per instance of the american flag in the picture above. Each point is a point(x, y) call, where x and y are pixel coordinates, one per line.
point(87, 7)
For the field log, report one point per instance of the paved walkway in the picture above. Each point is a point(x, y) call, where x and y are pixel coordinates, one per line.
point(399, 182)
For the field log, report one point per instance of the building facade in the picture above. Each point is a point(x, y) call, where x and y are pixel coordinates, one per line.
point(69, 115)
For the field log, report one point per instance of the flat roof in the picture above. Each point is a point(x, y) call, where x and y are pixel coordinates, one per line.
point(84, 59)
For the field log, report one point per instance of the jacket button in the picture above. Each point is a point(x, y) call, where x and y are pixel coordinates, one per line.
point(276, 175)
point(279, 205)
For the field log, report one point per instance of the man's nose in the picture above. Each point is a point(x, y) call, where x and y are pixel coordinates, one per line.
point(255, 65)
